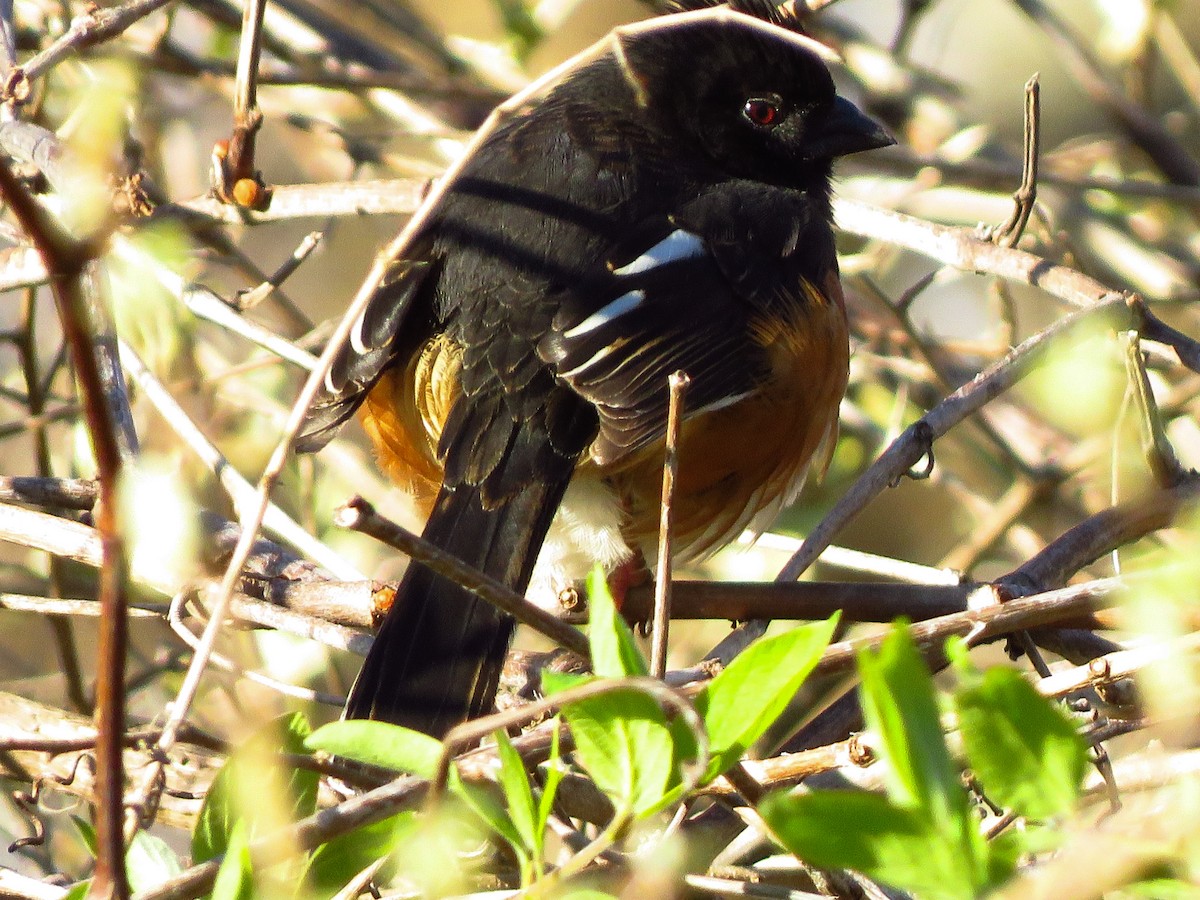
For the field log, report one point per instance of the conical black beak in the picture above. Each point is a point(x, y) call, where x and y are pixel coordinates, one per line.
point(847, 129)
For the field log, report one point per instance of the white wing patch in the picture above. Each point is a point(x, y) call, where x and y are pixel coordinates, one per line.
point(595, 358)
point(607, 313)
point(356, 335)
point(679, 244)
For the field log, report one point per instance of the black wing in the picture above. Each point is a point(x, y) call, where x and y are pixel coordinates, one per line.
point(692, 294)
point(376, 340)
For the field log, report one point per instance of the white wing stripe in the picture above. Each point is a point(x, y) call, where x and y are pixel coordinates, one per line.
point(596, 357)
point(606, 314)
point(356, 335)
point(679, 244)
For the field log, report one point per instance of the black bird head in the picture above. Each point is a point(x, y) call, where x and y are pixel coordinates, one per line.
point(750, 97)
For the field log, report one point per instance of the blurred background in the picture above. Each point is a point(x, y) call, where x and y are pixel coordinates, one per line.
point(391, 90)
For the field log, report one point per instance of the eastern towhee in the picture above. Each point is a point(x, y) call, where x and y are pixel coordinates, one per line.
point(664, 207)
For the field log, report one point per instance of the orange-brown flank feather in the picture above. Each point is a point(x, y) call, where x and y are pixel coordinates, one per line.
point(404, 413)
point(735, 461)
point(754, 454)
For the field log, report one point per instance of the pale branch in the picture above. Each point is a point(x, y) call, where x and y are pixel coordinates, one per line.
point(96, 25)
point(397, 197)
point(1116, 666)
point(961, 249)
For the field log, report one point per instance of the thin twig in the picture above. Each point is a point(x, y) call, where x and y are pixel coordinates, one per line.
point(207, 305)
point(359, 515)
point(1160, 455)
point(251, 298)
point(95, 26)
point(1153, 328)
point(677, 387)
point(1146, 129)
point(239, 180)
point(1009, 234)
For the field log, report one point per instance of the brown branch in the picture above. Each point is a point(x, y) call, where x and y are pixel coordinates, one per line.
point(60, 493)
point(859, 601)
point(359, 515)
point(1008, 234)
point(1100, 534)
point(67, 260)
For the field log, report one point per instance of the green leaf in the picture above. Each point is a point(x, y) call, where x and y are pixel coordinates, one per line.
point(488, 808)
point(1162, 889)
point(149, 862)
point(517, 791)
point(744, 699)
point(615, 653)
point(554, 775)
point(379, 744)
point(521, 26)
point(870, 834)
point(624, 742)
point(78, 891)
point(335, 862)
point(1023, 749)
point(235, 879)
point(254, 785)
point(88, 833)
point(557, 682)
point(899, 704)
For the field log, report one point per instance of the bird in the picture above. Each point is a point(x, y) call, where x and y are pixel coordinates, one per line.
point(665, 206)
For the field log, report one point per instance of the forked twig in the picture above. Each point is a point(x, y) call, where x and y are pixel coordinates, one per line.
point(1008, 234)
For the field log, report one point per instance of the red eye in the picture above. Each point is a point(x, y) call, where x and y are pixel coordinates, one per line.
point(762, 112)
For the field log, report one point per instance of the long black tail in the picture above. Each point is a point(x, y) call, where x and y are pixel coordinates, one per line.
point(437, 658)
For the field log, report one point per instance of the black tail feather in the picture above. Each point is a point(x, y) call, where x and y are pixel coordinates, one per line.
point(437, 658)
